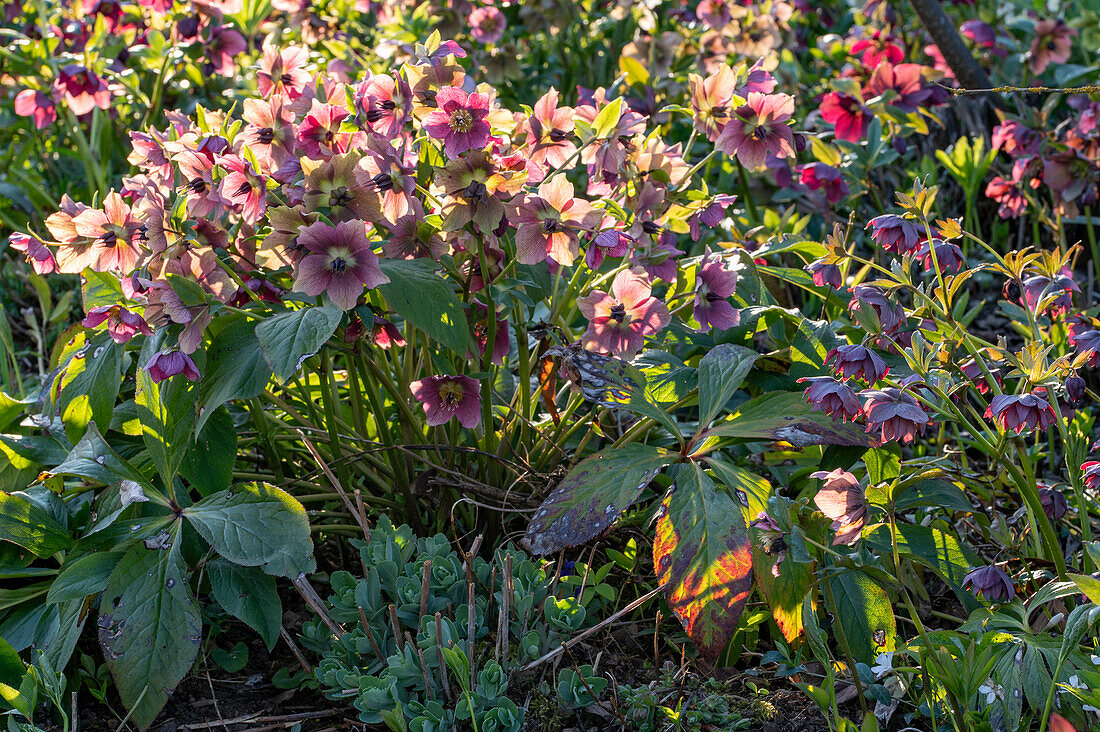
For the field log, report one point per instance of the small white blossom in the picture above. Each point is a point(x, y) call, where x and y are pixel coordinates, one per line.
point(883, 663)
point(992, 691)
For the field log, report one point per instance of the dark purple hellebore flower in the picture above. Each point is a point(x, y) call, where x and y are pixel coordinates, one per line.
point(1054, 502)
point(990, 583)
point(856, 361)
point(166, 364)
point(825, 274)
point(1018, 412)
point(835, 398)
point(894, 233)
point(893, 413)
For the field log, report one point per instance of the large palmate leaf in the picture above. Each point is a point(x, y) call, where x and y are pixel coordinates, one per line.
point(256, 525)
point(721, 373)
point(864, 614)
point(421, 296)
point(249, 595)
point(149, 627)
point(702, 556)
point(24, 523)
point(594, 493)
point(235, 368)
point(288, 339)
point(784, 416)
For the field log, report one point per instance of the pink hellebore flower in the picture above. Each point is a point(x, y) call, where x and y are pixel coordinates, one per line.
point(1052, 44)
point(36, 104)
point(244, 186)
point(459, 121)
point(825, 273)
point(548, 131)
point(949, 257)
point(282, 71)
point(166, 364)
point(83, 90)
point(487, 24)
point(757, 128)
point(547, 222)
point(819, 176)
point(444, 397)
point(607, 243)
point(893, 413)
point(1018, 412)
point(847, 114)
point(713, 284)
point(341, 262)
point(37, 254)
point(122, 323)
point(842, 500)
point(620, 321)
point(115, 234)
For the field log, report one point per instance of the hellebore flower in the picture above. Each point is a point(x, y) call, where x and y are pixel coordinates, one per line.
point(486, 24)
point(1018, 412)
point(38, 105)
point(835, 398)
point(771, 537)
point(341, 262)
point(385, 103)
point(905, 81)
point(709, 215)
point(82, 89)
point(842, 500)
point(35, 251)
point(711, 99)
point(1075, 392)
point(948, 256)
point(319, 135)
point(282, 71)
point(758, 127)
point(1085, 342)
point(548, 130)
point(444, 397)
point(1092, 474)
point(848, 115)
point(893, 413)
point(825, 273)
point(620, 321)
point(890, 313)
point(1017, 139)
point(894, 233)
point(1008, 195)
point(1039, 288)
point(990, 583)
point(122, 323)
point(878, 48)
point(546, 222)
point(818, 176)
point(713, 284)
point(459, 121)
point(243, 186)
point(166, 364)
point(1054, 502)
point(857, 361)
point(973, 371)
point(607, 243)
point(115, 238)
point(1052, 44)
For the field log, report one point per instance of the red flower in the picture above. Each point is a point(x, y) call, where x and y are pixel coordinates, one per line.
point(82, 89)
point(817, 176)
point(848, 114)
point(1007, 194)
point(856, 361)
point(1052, 44)
point(385, 103)
point(758, 127)
point(904, 82)
point(243, 186)
point(36, 104)
point(878, 48)
point(447, 397)
point(122, 324)
point(825, 274)
point(1018, 412)
point(620, 321)
point(459, 121)
point(319, 135)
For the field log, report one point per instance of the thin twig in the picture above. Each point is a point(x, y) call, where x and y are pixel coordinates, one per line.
point(295, 650)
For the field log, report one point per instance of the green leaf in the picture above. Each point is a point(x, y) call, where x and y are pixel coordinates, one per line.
point(256, 525)
point(939, 551)
point(149, 628)
point(85, 576)
point(721, 373)
point(608, 118)
point(883, 463)
point(10, 408)
point(233, 660)
point(248, 595)
point(1089, 586)
point(422, 297)
point(702, 556)
point(90, 395)
point(93, 458)
point(99, 289)
point(235, 368)
point(754, 488)
point(23, 523)
point(784, 593)
point(208, 465)
point(12, 667)
point(784, 416)
point(166, 412)
point(864, 613)
point(593, 494)
point(934, 492)
point(288, 339)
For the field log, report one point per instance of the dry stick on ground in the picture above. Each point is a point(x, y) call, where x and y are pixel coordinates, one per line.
point(316, 604)
point(584, 634)
point(370, 635)
point(295, 650)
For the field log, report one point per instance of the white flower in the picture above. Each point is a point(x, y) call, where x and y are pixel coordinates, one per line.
point(883, 663)
point(1076, 683)
point(992, 691)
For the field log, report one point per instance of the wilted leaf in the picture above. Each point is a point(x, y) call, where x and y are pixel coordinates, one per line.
point(594, 493)
point(702, 556)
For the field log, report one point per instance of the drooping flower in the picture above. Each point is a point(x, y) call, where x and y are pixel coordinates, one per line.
point(895, 233)
point(487, 24)
point(890, 313)
point(905, 83)
point(1008, 194)
point(607, 243)
point(825, 273)
point(857, 361)
point(714, 282)
point(893, 413)
point(619, 322)
point(835, 398)
point(1055, 294)
point(1053, 501)
point(459, 121)
point(1017, 139)
point(1018, 412)
point(37, 105)
point(758, 127)
point(848, 115)
point(818, 176)
point(340, 263)
point(37, 254)
point(282, 70)
point(709, 215)
point(122, 323)
point(166, 364)
point(447, 397)
point(1091, 477)
point(973, 371)
point(990, 583)
point(547, 222)
point(82, 90)
point(771, 538)
point(842, 500)
point(881, 46)
point(948, 255)
point(1052, 44)
point(1086, 341)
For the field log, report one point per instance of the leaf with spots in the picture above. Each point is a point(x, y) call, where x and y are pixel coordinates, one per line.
point(702, 556)
point(785, 416)
point(864, 614)
point(594, 493)
point(784, 591)
point(149, 627)
point(256, 525)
